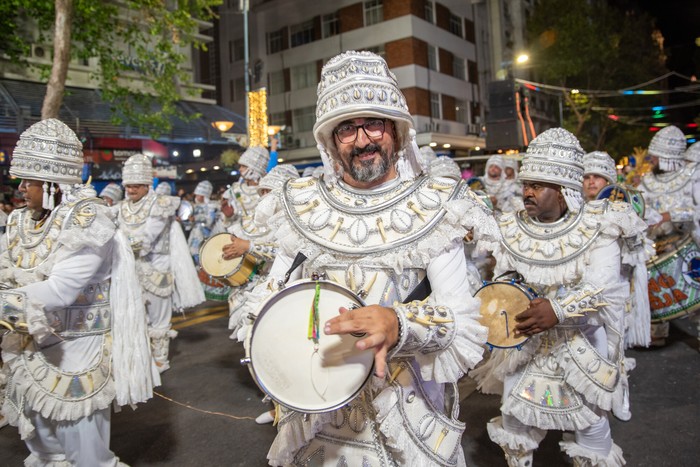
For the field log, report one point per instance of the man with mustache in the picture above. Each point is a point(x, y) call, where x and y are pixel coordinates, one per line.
point(569, 372)
point(77, 339)
point(376, 224)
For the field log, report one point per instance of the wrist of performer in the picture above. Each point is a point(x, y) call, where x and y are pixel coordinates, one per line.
point(431, 328)
point(558, 311)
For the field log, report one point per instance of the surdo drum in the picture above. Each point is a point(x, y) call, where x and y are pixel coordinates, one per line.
point(234, 272)
point(294, 362)
point(501, 301)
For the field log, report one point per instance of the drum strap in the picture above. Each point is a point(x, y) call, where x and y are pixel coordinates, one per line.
point(300, 258)
point(421, 292)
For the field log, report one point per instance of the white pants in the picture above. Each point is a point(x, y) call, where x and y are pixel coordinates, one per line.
point(82, 443)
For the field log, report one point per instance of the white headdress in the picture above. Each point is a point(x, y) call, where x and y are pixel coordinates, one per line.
point(427, 155)
point(600, 163)
point(164, 188)
point(113, 192)
point(49, 151)
point(668, 145)
point(256, 158)
point(360, 85)
point(204, 188)
point(510, 162)
point(276, 177)
point(555, 156)
point(497, 161)
point(445, 166)
point(137, 170)
point(692, 154)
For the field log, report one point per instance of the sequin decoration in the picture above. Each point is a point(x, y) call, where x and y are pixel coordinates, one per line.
point(75, 388)
point(529, 392)
point(547, 399)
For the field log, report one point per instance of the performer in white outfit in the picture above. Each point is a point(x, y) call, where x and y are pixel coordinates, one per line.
point(376, 225)
point(112, 194)
point(165, 269)
point(598, 172)
point(505, 194)
point(77, 339)
point(569, 373)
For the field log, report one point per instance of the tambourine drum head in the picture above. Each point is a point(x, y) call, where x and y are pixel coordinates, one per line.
point(283, 360)
point(500, 302)
point(211, 256)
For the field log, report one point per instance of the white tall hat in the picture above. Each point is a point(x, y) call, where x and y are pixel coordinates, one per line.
point(164, 188)
point(113, 192)
point(308, 171)
point(600, 163)
point(137, 170)
point(668, 144)
point(555, 156)
point(445, 166)
point(204, 188)
point(692, 154)
point(50, 151)
point(276, 177)
point(427, 155)
point(256, 158)
point(510, 162)
point(360, 85)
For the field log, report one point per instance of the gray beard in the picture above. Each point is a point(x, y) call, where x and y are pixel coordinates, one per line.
point(368, 171)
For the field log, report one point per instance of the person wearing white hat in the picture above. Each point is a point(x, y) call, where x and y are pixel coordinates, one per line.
point(505, 194)
point(570, 372)
point(598, 172)
point(112, 193)
point(165, 269)
point(77, 340)
point(377, 225)
point(671, 192)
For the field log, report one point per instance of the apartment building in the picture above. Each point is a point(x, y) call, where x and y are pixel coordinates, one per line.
point(429, 45)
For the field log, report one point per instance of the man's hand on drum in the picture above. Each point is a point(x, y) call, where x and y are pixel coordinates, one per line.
point(665, 217)
point(380, 325)
point(538, 317)
point(237, 248)
point(226, 208)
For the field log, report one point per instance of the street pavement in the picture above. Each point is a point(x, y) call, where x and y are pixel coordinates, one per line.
point(204, 412)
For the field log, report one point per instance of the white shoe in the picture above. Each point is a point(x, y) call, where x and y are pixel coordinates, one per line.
point(265, 418)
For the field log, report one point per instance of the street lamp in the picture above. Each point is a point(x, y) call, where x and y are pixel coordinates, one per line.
point(223, 126)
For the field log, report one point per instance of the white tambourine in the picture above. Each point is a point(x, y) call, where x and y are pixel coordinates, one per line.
point(296, 371)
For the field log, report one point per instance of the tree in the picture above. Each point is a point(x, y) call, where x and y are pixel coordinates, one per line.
point(140, 45)
point(591, 45)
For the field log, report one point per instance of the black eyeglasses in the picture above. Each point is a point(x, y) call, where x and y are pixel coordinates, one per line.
point(347, 132)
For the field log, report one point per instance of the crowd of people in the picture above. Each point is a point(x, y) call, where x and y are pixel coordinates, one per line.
point(90, 282)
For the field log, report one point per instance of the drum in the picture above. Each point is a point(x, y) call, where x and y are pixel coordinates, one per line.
point(674, 281)
point(627, 194)
point(293, 369)
point(235, 272)
point(500, 302)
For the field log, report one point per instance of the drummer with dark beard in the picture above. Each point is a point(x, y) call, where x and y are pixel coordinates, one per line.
point(569, 373)
point(375, 226)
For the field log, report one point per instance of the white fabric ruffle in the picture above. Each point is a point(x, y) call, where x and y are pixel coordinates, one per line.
point(574, 450)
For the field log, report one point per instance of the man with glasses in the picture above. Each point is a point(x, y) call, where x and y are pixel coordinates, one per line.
point(376, 224)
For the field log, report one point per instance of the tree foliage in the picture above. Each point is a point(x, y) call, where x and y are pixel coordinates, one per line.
point(141, 47)
point(589, 44)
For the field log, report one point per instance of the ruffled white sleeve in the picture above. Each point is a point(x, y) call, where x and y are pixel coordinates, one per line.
point(443, 334)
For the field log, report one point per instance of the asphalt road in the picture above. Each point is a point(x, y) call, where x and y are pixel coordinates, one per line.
point(204, 413)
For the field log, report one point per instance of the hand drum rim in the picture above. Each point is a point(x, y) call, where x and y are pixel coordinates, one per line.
point(493, 314)
point(628, 193)
point(235, 271)
point(281, 358)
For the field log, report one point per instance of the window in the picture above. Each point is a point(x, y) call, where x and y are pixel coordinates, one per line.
point(278, 118)
point(303, 76)
point(473, 72)
point(461, 111)
point(230, 51)
point(456, 25)
point(302, 33)
point(238, 50)
point(430, 12)
point(277, 82)
point(239, 89)
point(379, 50)
point(374, 12)
point(274, 41)
point(435, 105)
point(433, 57)
point(469, 32)
point(303, 119)
point(329, 25)
point(459, 69)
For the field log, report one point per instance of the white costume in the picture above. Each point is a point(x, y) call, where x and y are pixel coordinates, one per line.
point(567, 377)
point(381, 243)
point(165, 269)
point(112, 191)
point(507, 193)
point(75, 304)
